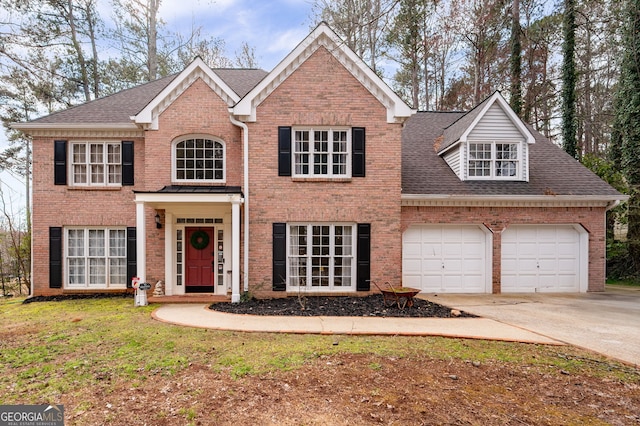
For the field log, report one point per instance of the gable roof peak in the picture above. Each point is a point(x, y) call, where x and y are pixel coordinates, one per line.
point(459, 130)
point(324, 36)
point(197, 69)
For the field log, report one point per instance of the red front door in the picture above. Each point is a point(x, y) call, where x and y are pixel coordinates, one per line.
point(200, 260)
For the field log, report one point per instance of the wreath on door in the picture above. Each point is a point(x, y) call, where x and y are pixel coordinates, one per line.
point(199, 240)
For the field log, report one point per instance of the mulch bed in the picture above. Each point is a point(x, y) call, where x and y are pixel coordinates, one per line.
point(338, 306)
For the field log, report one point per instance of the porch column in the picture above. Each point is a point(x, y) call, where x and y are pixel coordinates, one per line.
point(141, 243)
point(169, 254)
point(235, 251)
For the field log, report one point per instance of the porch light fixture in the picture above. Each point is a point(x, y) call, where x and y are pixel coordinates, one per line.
point(158, 223)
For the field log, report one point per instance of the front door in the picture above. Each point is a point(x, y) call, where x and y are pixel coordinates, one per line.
point(200, 260)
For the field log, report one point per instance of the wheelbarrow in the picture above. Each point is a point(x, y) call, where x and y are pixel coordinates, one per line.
point(399, 296)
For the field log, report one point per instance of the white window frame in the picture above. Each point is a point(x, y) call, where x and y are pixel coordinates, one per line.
point(493, 160)
point(82, 257)
point(111, 170)
point(174, 160)
point(306, 260)
point(312, 155)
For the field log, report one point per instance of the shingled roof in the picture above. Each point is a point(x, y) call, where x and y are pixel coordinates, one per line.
point(119, 107)
point(551, 170)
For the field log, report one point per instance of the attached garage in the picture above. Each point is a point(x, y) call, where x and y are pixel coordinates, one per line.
point(544, 258)
point(447, 258)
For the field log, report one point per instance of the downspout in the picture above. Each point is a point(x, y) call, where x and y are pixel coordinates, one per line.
point(245, 152)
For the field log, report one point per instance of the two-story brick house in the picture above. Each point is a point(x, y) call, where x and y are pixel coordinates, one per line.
point(313, 177)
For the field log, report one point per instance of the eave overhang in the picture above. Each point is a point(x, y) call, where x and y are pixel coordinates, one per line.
point(447, 200)
point(67, 130)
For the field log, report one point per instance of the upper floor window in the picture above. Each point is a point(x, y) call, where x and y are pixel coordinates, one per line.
point(96, 164)
point(199, 159)
point(488, 160)
point(322, 152)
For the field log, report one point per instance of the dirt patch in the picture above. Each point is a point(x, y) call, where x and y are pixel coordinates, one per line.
point(339, 306)
point(352, 389)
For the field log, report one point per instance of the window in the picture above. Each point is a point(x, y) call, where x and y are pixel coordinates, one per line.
point(323, 153)
point(96, 164)
point(320, 257)
point(96, 258)
point(494, 160)
point(199, 159)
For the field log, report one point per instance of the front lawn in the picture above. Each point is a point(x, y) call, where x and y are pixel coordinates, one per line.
point(109, 362)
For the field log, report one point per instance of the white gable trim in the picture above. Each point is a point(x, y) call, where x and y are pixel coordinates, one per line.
point(323, 36)
point(148, 117)
point(515, 120)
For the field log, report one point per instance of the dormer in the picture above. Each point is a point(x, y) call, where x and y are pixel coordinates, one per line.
point(489, 143)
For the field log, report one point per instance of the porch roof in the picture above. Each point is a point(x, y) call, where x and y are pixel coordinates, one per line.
point(191, 194)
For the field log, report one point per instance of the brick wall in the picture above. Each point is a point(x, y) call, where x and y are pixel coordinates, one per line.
point(497, 219)
point(323, 93)
point(60, 205)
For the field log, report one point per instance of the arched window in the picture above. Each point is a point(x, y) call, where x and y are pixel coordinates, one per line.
point(199, 159)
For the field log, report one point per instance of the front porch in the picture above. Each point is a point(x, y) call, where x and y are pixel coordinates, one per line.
point(194, 246)
point(189, 298)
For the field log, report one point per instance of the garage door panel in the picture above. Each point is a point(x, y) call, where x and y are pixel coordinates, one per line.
point(541, 258)
point(452, 258)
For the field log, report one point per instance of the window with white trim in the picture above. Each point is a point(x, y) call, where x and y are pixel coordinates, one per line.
point(322, 152)
point(96, 164)
point(96, 258)
point(489, 160)
point(321, 257)
point(199, 159)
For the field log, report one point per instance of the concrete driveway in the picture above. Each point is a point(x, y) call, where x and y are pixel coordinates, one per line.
point(607, 322)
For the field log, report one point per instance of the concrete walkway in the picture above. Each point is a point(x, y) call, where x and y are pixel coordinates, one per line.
point(195, 315)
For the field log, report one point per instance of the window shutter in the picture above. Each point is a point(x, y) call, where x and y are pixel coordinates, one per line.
point(284, 151)
point(357, 152)
point(132, 267)
point(60, 162)
point(364, 257)
point(279, 256)
point(55, 257)
point(127, 163)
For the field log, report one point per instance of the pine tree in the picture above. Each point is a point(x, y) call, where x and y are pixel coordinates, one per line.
point(626, 138)
point(569, 127)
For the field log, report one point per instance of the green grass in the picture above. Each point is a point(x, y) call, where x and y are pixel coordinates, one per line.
point(53, 348)
point(625, 282)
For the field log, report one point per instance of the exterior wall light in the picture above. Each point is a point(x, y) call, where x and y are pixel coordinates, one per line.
point(158, 222)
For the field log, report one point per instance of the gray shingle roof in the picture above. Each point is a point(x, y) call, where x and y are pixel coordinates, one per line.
point(119, 107)
point(453, 132)
point(551, 170)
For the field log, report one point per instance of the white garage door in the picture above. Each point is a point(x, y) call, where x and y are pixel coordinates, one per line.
point(446, 259)
point(542, 258)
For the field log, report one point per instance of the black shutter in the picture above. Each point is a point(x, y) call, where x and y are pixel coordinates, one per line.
point(127, 163)
point(60, 162)
point(364, 257)
point(357, 152)
point(55, 257)
point(132, 267)
point(279, 256)
point(284, 151)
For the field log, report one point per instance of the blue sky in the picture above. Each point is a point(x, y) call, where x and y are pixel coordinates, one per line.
point(272, 27)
